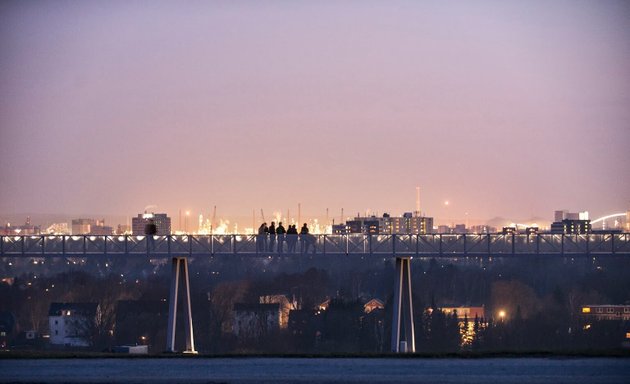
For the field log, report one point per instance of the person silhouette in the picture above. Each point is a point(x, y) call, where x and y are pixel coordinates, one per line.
point(304, 239)
point(261, 239)
point(272, 237)
point(291, 238)
point(280, 231)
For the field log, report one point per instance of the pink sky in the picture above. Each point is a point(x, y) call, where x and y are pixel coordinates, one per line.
point(509, 109)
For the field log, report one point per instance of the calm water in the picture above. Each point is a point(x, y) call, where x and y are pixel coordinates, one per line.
point(273, 370)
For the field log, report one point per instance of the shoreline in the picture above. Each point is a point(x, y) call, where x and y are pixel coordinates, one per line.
point(620, 353)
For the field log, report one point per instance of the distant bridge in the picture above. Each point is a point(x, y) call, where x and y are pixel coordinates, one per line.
point(432, 245)
point(604, 218)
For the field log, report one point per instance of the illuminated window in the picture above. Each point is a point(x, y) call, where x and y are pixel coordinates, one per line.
point(586, 310)
point(627, 335)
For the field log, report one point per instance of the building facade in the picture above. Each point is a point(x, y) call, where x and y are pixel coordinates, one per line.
point(606, 312)
point(161, 220)
point(72, 324)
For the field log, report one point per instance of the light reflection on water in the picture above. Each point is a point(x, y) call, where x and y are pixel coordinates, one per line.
point(317, 370)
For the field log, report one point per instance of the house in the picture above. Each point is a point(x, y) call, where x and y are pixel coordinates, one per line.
point(286, 306)
point(606, 312)
point(372, 305)
point(255, 320)
point(72, 324)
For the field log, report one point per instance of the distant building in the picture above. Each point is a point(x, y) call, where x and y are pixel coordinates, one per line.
point(531, 230)
point(460, 229)
point(574, 227)
point(508, 230)
point(339, 229)
point(72, 324)
point(82, 226)
point(354, 226)
point(571, 223)
point(372, 305)
point(91, 227)
point(161, 220)
point(286, 306)
point(255, 320)
point(606, 312)
point(58, 229)
point(444, 229)
point(558, 216)
point(407, 224)
point(21, 230)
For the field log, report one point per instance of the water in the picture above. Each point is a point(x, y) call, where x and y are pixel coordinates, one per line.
point(317, 370)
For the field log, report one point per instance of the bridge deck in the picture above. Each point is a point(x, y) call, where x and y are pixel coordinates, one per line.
point(433, 245)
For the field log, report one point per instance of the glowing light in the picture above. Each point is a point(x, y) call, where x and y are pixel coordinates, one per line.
point(502, 314)
point(446, 202)
point(586, 310)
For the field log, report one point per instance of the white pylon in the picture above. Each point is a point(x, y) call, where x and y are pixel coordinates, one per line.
point(180, 265)
point(403, 303)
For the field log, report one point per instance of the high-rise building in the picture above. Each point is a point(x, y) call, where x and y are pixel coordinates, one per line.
point(571, 223)
point(408, 224)
point(161, 221)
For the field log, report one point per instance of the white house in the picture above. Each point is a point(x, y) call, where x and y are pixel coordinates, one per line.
point(71, 324)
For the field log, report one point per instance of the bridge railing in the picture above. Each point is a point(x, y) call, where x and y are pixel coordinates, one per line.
point(354, 244)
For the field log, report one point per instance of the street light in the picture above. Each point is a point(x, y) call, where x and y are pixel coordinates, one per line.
point(502, 315)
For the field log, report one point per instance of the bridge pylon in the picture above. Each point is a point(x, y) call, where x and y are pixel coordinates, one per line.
point(180, 266)
point(403, 333)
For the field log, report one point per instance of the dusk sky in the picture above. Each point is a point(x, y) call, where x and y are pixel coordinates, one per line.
point(502, 108)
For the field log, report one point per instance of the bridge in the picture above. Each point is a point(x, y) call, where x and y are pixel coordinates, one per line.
point(430, 245)
point(400, 247)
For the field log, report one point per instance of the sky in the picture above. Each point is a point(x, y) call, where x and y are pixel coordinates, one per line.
point(512, 109)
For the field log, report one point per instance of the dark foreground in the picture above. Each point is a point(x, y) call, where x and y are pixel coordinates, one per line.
point(317, 370)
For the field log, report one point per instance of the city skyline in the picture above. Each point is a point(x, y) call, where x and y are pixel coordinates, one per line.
point(501, 110)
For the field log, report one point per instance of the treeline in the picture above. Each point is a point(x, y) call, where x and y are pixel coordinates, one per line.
point(541, 299)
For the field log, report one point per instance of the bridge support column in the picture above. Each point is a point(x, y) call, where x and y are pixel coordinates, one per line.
point(180, 266)
point(403, 334)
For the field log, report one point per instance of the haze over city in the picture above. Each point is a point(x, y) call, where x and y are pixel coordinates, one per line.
point(502, 109)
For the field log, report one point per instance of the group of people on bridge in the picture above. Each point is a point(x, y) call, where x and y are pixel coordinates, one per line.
point(271, 238)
